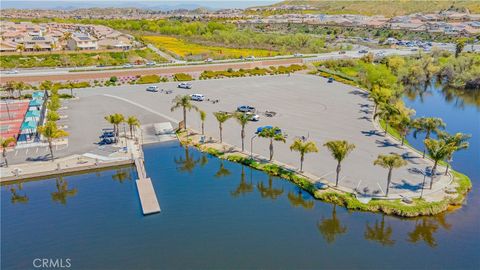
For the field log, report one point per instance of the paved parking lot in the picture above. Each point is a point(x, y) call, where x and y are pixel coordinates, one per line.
point(305, 105)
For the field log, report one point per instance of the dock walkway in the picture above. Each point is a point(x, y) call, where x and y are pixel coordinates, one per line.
point(146, 192)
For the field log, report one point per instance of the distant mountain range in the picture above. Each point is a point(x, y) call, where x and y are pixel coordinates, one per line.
point(154, 5)
point(387, 8)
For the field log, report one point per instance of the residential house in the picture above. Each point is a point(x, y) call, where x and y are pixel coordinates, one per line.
point(80, 41)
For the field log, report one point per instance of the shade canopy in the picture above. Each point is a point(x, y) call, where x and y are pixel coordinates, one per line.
point(29, 125)
point(38, 94)
point(32, 114)
point(36, 102)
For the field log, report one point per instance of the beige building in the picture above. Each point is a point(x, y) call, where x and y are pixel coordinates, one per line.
point(82, 42)
point(38, 43)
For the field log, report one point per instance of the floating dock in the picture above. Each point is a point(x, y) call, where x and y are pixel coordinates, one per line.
point(147, 195)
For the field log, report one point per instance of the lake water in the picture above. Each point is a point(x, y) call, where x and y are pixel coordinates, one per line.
point(217, 215)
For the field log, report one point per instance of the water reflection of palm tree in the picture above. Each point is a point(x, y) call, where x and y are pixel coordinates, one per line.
point(269, 192)
point(186, 164)
point(425, 229)
point(17, 198)
point(62, 192)
point(203, 160)
point(122, 174)
point(380, 233)
point(222, 171)
point(243, 187)
point(330, 227)
point(297, 200)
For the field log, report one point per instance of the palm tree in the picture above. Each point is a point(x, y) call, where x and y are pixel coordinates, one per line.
point(221, 117)
point(115, 119)
point(380, 233)
point(185, 103)
point(390, 162)
point(243, 119)
point(122, 174)
point(37, 47)
point(303, 148)
point(458, 142)
point(62, 192)
point(269, 192)
point(438, 150)
point(339, 151)
point(5, 143)
point(243, 187)
point(52, 47)
point(402, 123)
point(186, 164)
point(16, 198)
point(20, 48)
point(330, 227)
point(387, 112)
point(296, 199)
point(10, 87)
point(70, 85)
point(203, 117)
point(46, 85)
point(222, 171)
point(379, 95)
point(51, 132)
point(273, 134)
point(428, 125)
point(424, 230)
point(132, 122)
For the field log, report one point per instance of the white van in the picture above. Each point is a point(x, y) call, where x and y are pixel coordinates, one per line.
point(197, 97)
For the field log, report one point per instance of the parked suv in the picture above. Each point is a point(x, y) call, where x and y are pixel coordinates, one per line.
point(245, 108)
point(185, 85)
point(152, 88)
point(197, 97)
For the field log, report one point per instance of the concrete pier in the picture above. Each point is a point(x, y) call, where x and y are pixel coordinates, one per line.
point(147, 195)
point(146, 192)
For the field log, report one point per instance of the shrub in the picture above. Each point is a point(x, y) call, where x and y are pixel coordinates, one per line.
point(113, 79)
point(179, 77)
point(148, 79)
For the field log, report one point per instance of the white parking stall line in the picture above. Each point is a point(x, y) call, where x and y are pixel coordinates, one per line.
point(16, 152)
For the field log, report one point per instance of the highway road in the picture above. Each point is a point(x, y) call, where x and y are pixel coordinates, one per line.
point(6, 75)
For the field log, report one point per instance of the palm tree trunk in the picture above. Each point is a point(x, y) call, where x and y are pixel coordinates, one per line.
point(301, 162)
point(426, 138)
point(375, 109)
point(51, 148)
point(221, 129)
point(5, 156)
point(339, 168)
point(386, 127)
point(131, 132)
point(271, 149)
point(448, 166)
point(185, 118)
point(203, 128)
point(434, 171)
point(389, 179)
point(403, 140)
point(243, 138)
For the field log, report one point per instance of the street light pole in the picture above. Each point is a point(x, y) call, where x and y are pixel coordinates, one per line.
point(251, 146)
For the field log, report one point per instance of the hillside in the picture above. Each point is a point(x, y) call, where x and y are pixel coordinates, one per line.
point(388, 8)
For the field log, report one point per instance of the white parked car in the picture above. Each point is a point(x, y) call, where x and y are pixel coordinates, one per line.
point(197, 97)
point(298, 55)
point(250, 58)
point(253, 116)
point(185, 85)
point(208, 60)
point(152, 88)
point(128, 66)
point(13, 71)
